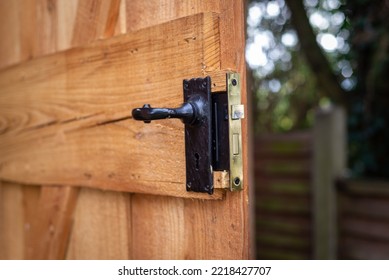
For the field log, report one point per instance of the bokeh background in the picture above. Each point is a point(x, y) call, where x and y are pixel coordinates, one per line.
point(319, 74)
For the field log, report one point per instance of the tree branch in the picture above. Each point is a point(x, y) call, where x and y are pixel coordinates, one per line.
point(313, 53)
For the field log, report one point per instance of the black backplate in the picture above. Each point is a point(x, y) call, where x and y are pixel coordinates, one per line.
point(198, 141)
point(220, 137)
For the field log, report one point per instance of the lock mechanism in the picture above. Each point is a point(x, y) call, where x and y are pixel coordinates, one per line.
point(213, 133)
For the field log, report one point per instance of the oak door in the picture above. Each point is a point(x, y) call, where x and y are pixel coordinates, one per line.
point(80, 179)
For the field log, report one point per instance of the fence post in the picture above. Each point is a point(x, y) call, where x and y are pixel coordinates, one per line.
point(329, 162)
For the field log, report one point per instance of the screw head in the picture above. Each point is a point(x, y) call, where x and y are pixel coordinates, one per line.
point(234, 82)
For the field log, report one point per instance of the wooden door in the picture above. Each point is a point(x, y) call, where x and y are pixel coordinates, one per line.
point(80, 179)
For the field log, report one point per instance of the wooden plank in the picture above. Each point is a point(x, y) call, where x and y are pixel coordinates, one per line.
point(121, 25)
point(31, 196)
point(66, 17)
point(51, 226)
point(281, 240)
point(142, 14)
point(284, 225)
point(60, 15)
point(283, 186)
point(365, 207)
point(295, 138)
point(365, 228)
point(96, 19)
point(104, 250)
point(101, 227)
point(11, 221)
point(17, 24)
point(159, 231)
point(189, 229)
point(295, 205)
point(364, 188)
point(34, 28)
point(281, 167)
point(216, 229)
point(77, 108)
point(213, 229)
point(357, 248)
point(237, 211)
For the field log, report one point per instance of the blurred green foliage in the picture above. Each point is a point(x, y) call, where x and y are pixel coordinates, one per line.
point(368, 117)
point(354, 35)
point(286, 90)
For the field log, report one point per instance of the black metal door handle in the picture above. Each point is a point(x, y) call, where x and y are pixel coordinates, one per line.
point(190, 112)
point(196, 114)
point(186, 112)
point(213, 131)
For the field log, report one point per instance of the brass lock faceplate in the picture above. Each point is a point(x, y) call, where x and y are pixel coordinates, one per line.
point(235, 114)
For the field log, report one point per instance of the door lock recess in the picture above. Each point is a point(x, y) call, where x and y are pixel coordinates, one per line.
point(213, 133)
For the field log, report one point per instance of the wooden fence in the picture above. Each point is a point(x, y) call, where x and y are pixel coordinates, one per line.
point(363, 219)
point(286, 207)
point(283, 196)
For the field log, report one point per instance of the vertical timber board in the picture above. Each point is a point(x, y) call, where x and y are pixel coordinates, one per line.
point(34, 29)
point(158, 227)
point(9, 27)
point(100, 229)
point(18, 23)
point(221, 234)
point(51, 226)
point(212, 229)
point(31, 196)
point(100, 216)
point(96, 19)
point(51, 219)
point(232, 37)
point(11, 222)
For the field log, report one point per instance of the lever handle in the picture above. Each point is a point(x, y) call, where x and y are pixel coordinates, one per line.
point(186, 112)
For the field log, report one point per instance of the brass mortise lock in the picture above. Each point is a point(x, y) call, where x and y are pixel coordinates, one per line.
point(213, 131)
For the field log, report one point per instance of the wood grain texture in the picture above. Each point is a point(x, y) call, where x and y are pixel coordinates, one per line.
point(18, 205)
point(142, 14)
point(51, 226)
point(96, 19)
point(158, 229)
point(104, 249)
point(35, 28)
point(11, 221)
point(38, 28)
point(31, 196)
point(76, 108)
point(101, 227)
point(14, 28)
point(212, 229)
point(113, 224)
